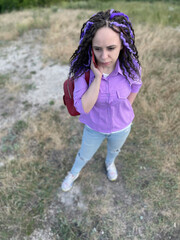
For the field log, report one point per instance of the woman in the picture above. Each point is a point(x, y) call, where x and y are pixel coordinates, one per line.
point(105, 106)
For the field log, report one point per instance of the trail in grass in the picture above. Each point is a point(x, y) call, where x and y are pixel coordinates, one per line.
point(29, 82)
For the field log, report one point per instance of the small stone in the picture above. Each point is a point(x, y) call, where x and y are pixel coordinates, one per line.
point(1, 164)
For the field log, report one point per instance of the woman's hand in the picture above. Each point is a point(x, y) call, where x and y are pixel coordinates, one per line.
point(90, 96)
point(96, 70)
point(132, 97)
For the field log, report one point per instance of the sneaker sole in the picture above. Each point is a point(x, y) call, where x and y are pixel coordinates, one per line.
point(66, 190)
point(112, 180)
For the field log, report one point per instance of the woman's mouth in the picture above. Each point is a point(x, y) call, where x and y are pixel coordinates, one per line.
point(105, 64)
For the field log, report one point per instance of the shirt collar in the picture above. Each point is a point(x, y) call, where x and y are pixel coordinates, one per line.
point(117, 69)
point(114, 72)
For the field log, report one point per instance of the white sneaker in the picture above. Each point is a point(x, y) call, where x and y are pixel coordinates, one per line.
point(68, 182)
point(112, 172)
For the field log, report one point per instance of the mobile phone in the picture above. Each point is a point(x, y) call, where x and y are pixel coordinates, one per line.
point(93, 58)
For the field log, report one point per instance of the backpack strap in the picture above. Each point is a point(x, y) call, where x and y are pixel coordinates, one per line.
point(87, 76)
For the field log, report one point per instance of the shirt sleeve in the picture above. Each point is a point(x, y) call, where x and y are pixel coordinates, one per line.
point(80, 87)
point(136, 83)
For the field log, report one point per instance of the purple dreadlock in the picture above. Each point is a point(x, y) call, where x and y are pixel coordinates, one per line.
point(120, 23)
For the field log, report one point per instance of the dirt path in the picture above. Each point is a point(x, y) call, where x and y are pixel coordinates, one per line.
point(32, 82)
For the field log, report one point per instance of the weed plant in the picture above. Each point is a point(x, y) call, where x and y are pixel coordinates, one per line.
point(3, 80)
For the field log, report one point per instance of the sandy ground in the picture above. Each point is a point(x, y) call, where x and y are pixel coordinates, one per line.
point(23, 63)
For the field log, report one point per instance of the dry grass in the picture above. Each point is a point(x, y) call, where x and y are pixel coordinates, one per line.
point(63, 35)
point(13, 87)
point(143, 204)
point(13, 25)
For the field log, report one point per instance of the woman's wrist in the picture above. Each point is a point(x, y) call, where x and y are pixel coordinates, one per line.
point(97, 79)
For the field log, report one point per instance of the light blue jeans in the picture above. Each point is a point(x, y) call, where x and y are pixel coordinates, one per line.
point(92, 140)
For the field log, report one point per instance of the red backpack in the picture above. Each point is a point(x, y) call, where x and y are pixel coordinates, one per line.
point(68, 99)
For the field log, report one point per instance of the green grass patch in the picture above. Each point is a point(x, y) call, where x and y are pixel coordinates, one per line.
point(27, 105)
point(29, 87)
point(40, 20)
point(163, 13)
point(4, 78)
point(52, 102)
point(27, 197)
point(9, 143)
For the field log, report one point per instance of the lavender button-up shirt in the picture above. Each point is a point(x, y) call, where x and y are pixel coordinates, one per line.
point(112, 110)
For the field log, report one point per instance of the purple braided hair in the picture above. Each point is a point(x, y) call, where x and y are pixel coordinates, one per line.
point(123, 26)
point(88, 26)
point(118, 24)
point(117, 14)
point(89, 59)
point(126, 44)
point(121, 14)
point(111, 11)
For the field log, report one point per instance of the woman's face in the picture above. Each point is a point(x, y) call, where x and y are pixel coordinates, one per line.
point(106, 45)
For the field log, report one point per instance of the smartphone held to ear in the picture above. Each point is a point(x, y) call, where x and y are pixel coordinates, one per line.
point(93, 58)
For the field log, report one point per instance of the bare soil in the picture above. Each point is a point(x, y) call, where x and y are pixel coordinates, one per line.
point(33, 83)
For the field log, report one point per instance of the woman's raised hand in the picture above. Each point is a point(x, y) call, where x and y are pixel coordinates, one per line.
point(96, 70)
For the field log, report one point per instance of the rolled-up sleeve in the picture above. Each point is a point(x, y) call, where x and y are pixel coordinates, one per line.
point(136, 83)
point(135, 87)
point(80, 87)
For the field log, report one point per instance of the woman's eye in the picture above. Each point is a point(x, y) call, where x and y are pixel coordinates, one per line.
point(111, 48)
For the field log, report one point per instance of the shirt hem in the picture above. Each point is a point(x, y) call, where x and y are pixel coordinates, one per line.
point(111, 132)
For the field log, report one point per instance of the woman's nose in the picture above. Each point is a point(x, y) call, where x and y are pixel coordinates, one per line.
point(104, 55)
